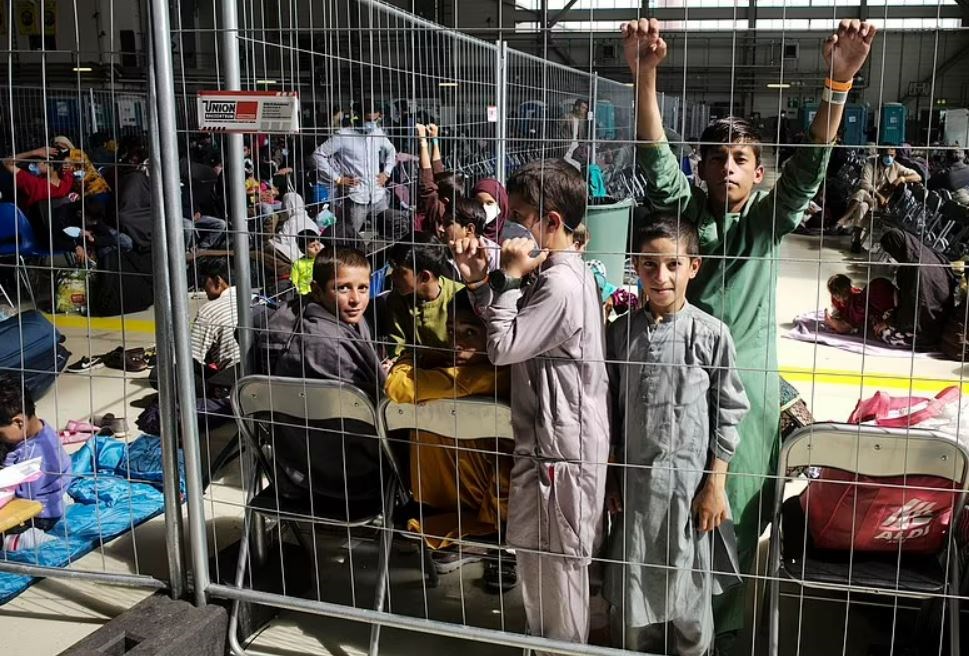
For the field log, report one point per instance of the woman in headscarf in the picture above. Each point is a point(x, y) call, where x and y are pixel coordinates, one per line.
point(490, 193)
point(926, 292)
point(94, 187)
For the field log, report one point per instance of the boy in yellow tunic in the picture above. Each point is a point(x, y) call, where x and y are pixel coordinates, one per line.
point(478, 505)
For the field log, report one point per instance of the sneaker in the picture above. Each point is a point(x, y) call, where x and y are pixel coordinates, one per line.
point(448, 560)
point(86, 364)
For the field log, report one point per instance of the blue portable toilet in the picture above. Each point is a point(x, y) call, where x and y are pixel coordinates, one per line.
point(892, 126)
point(855, 131)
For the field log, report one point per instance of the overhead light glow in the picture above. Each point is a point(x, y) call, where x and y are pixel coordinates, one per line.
point(778, 85)
point(82, 69)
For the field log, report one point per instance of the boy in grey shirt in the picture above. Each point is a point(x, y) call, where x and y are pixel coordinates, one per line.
point(551, 334)
point(677, 402)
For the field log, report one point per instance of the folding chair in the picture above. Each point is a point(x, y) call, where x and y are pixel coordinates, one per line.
point(469, 418)
point(877, 452)
point(259, 403)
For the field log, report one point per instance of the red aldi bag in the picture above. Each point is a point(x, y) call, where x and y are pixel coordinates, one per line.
point(848, 511)
point(868, 514)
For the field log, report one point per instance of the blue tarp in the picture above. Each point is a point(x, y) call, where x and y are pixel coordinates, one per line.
point(106, 504)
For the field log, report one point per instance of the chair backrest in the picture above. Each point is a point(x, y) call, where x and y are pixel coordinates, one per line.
point(16, 233)
point(463, 419)
point(876, 451)
point(309, 399)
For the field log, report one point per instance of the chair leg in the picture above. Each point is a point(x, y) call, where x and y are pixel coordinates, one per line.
point(953, 601)
point(383, 567)
point(235, 647)
point(430, 571)
point(25, 276)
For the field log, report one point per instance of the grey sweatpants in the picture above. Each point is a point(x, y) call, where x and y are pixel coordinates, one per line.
point(555, 591)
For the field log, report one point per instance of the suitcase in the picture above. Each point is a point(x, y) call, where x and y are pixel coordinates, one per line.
point(31, 347)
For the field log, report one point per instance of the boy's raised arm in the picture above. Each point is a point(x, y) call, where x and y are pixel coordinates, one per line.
point(644, 49)
point(845, 53)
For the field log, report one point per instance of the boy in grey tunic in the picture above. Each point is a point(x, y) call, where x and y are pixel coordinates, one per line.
point(552, 336)
point(677, 401)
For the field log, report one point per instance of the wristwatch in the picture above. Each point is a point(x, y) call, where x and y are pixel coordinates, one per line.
point(499, 282)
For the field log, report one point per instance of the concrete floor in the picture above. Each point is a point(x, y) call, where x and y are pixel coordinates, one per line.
point(54, 614)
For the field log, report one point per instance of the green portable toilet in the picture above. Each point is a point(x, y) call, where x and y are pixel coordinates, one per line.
point(608, 221)
point(892, 127)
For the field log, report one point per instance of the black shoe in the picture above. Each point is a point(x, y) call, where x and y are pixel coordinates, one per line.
point(500, 576)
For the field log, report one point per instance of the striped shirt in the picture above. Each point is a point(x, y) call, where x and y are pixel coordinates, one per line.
point(213, 333)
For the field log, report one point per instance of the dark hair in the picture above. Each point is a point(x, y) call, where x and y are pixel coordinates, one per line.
point(580, 101)
point(730, 130)
point(327, 264)
point(668, 226)
point(213, 268)
point(463, 305)
point(419, 252)
point(839, 284)
point(466, 212)
point(551, 185)
point(15, 399)
point(450, 185)
point(306, 237)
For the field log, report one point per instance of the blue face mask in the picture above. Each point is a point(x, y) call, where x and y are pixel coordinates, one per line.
point(370, 126)
point(34, 168)
point(888, 160)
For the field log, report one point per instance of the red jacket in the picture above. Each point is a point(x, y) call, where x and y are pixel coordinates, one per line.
point(33, 189)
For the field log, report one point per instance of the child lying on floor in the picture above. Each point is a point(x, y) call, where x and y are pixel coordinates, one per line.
point(855, 309)
point(25, 437)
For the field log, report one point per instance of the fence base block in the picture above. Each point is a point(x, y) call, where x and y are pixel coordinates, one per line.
point(158, 626)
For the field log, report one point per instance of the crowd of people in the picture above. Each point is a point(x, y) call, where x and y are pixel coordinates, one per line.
point(664, 419)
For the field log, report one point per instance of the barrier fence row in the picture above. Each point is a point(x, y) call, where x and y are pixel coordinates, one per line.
point(322, 496)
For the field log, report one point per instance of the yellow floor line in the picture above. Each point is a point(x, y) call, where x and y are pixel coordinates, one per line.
point(102, 324)
point(873, 380)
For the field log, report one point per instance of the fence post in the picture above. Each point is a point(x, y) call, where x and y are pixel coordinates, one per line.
point(165, 103)
point(501, 99)
point(163, 345)
point(236, 184)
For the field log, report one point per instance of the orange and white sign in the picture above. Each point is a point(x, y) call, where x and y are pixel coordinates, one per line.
point(248, 111)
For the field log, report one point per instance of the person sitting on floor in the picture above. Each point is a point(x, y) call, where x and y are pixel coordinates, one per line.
point(478, 505)
point(25, 436)
point(324, 336)
point(926, 293)
point(93, 187)
point(855, 309)
point(423, 290)
point(214, 344)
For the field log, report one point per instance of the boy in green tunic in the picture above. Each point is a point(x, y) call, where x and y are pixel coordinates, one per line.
point(740, 233)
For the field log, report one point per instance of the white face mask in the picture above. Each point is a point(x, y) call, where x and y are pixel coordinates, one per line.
point(285, 152)
point(491, 212)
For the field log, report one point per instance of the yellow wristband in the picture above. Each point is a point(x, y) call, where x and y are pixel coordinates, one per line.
point(837, 86)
